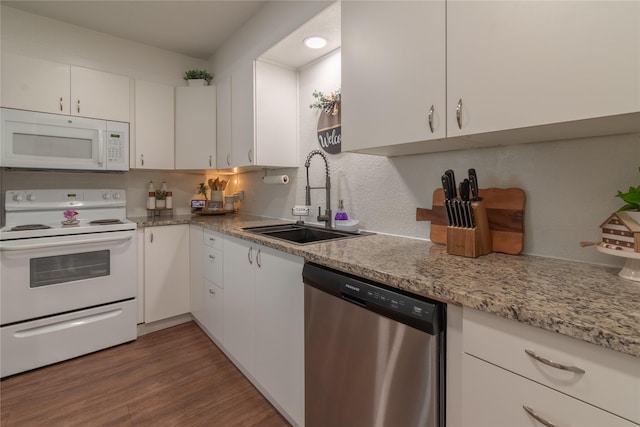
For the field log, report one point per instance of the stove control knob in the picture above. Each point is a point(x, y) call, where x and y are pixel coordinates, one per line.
point(106, 196)
point(31, 197)
point(116, 196)
point(18, 197)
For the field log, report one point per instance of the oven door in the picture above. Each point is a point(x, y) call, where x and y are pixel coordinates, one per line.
point(50, 275)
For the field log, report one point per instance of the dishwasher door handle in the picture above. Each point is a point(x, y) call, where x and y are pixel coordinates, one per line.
point(353, 299)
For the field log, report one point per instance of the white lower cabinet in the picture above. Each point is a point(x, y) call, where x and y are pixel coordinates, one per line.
point(213, 293)
point(263, 320)
point(495, 397)
point(508, 366)
point(196, 281)
point(166, 272)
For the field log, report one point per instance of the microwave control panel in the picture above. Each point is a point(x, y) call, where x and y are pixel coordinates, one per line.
point(117, 139)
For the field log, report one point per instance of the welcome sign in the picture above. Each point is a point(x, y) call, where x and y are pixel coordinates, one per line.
point(329, 130)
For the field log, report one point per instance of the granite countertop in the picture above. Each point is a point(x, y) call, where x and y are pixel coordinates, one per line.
point(584, 301)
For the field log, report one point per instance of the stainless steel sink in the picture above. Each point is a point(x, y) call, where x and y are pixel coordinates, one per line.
point(302, 234)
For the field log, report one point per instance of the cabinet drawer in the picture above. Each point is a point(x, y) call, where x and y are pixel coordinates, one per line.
point(494, 397)
point(213, 240)
point(214, 315)
point(611, 380)
point(212, 265)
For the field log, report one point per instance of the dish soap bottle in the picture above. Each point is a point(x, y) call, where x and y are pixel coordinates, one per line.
point(341, 215)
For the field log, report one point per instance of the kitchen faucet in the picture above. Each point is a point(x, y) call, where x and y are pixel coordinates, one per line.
point(326, 218)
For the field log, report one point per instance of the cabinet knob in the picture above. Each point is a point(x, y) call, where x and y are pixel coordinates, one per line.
point(538, 417)
point(459, 113)
point(554, 364)
point(431, 119)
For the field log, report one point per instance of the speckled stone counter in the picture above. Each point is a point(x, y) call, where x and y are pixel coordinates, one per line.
point(588, 302)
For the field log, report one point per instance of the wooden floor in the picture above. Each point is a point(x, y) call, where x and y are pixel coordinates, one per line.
point(174, 377)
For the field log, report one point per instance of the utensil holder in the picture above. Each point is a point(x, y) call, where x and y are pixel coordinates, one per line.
point(471, 242)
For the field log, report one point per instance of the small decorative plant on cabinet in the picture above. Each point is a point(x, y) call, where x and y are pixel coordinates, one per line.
point(198, 77)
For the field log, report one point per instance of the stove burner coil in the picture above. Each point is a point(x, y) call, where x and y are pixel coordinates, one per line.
point(27, 227)
point(105, 221)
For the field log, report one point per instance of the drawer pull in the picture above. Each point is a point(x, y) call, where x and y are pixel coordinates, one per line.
point(554, 364)
point(212, 257)
point(212, 292)
point(538, 417)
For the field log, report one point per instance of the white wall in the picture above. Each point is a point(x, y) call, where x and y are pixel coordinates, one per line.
point(570, 185)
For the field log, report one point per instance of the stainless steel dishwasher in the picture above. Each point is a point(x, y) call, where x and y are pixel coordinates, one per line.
point(373, 356)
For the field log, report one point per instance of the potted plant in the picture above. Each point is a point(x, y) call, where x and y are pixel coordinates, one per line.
point(631, 198)
point(161, 198)
point(197, 77)
point(202, 189)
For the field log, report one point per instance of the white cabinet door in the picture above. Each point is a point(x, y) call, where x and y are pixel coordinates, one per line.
point(99, 95)
point(154, 126)
point(239, 301)
point(242, 109)
point(279, 318)
point(35, 84)
point(276, 115)
point(224, 138)
point(495, 397)
point(214, 307)
point(166, 271)
point(196, 271)
point(528, 63)
point(196, 127)
point(393, 72)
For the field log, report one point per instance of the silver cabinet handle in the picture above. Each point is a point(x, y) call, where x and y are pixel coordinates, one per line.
point(554, 364)
point(210, 158)
point(258, 260)
point(538, 417)
point(229, 159)
point(151, 238)
point(431, 119)
point(459, 113)
point(212, 239)
point(212, 257)
point(61, 105)
point(250, 155)
point(212, 292)
point(78, 104)
point(141, 159)
point(250, 255)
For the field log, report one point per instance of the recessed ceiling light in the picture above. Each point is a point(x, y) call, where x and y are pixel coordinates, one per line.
point(315, 42)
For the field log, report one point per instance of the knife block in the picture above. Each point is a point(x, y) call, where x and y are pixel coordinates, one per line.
point(471, 242)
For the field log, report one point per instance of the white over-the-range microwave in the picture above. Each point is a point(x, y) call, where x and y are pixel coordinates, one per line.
point(36, 140)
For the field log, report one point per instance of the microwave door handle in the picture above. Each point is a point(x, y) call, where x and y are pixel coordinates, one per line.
point(8, 246)
point(101, 151)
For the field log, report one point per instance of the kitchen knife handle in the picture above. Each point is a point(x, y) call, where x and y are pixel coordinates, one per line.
point(473, 182)
point(459, 113)
point(431, 119)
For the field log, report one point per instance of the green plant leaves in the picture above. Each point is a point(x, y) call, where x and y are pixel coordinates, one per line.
point(631, 198)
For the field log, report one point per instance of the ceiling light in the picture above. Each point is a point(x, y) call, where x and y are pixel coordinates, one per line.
point(315, 42)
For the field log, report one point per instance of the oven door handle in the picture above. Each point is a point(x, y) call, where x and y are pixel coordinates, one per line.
point(18, 246)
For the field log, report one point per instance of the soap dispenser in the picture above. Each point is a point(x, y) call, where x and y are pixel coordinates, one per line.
point(341, 215)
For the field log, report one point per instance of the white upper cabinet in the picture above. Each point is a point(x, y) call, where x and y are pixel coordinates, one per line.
point(153, 145)
point(224, 145)
point(515, 72)
point(260, 103)
point(195, 127)
point(99, 95)
point(528, 63)
point(40, 85)
point(393, 72)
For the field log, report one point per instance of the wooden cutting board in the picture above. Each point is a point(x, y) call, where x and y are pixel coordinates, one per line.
point(505, 210)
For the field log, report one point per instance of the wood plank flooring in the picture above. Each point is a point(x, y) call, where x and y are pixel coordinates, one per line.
point(173, 377)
